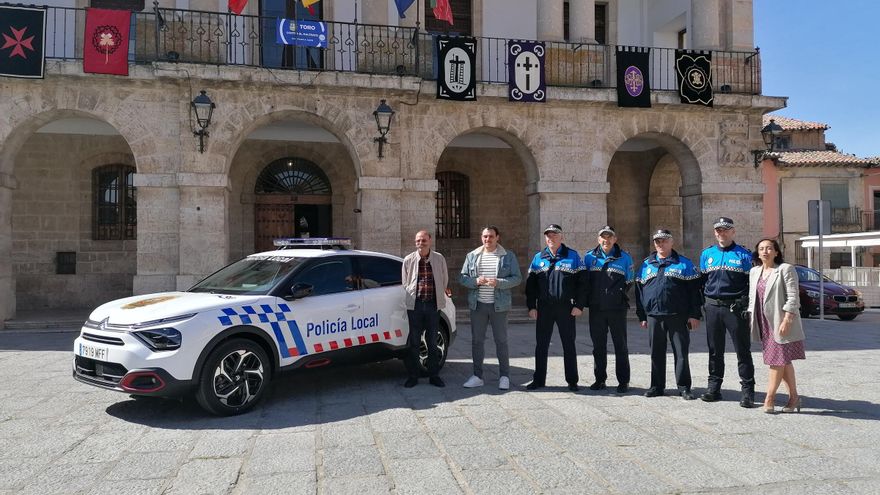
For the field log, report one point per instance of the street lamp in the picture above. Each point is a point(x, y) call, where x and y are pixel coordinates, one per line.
point(203, 108)
point(768, 134)
point(383, 114)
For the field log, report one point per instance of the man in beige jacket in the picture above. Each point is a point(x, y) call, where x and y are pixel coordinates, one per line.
point(425, 276)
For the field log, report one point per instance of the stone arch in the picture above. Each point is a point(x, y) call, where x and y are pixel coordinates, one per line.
point(335, 160)
point(636, 163)
point(46, 199)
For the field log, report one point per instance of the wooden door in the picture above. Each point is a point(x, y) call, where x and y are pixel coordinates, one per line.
point(271, 221)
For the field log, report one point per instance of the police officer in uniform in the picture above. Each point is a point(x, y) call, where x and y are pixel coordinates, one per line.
point(668, 305)
point(555, 294)
point(610, 276)
point(725, 270)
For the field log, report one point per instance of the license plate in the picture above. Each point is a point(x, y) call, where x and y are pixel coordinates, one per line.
point(847, 305)
point(94, 352)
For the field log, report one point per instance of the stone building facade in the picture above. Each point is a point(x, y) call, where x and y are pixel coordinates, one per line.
point(577, 160)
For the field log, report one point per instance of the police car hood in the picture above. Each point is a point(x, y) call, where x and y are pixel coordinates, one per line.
point(152, 307)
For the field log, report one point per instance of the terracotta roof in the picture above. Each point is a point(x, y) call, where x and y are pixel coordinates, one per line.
point(794, 124)
point(821, 159)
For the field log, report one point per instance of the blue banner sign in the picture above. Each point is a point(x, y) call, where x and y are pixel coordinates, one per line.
point(302, 33)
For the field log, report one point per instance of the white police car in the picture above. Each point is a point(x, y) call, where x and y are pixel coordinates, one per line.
point(318, 304)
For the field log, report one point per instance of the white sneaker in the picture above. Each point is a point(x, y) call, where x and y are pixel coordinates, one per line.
point(504, 383)
point(473, 382)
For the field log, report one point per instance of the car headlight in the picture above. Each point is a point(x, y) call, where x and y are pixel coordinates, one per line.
point(160, 339)
point(858, 293)
point(813, 293)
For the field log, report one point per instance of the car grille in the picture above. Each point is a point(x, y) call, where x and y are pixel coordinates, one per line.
point(102, 339)
point(99, 372)
point(846, 298)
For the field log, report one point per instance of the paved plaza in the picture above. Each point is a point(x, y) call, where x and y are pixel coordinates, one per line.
point(357, 430)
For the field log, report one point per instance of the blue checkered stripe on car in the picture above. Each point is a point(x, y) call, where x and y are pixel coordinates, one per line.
point(280, 319)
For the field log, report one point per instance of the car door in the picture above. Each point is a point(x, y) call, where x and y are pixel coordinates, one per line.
point(322, 321)
point(379, 279)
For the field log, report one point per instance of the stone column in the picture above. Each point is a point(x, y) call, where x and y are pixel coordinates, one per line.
point(375, 12)
point(576, 206)
point(7, 279)
point(582, 21)
point(204, 232)
point(417, 211)
point(742, 26)
point(550, 20)
point(379, 200)
point(706, 24)
point(158, 236)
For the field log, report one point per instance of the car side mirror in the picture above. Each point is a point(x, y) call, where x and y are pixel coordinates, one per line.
point(301, 290)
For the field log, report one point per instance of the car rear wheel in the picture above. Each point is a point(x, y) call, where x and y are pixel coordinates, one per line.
point(234, 378)
point(847, 317)
point(442, 343)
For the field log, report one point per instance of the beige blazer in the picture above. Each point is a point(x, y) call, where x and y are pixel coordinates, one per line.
point(409, 273)
point(780, 297)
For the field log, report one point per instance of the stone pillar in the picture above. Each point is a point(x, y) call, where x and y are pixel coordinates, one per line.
point(418, 212)
point(582, 21)
point(7, 279)
point(379, 200)
point(577, 206)
point(706, 25)
point(158, 236)
point(550, 20)
point(375, 12)
point(742, 26)
point(204, 232)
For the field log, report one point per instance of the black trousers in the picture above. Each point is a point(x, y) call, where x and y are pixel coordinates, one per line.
point(719, 321)
point(675, 328)
point(602, 322)
point(560, 315)
point(424, 317)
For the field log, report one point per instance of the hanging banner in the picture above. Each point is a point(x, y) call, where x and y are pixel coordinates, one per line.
point(525, 71)
point(105, 48)
point(301, 33)
point(693, 70)
point(633, 83)
point(457, 79)
point(22, 42)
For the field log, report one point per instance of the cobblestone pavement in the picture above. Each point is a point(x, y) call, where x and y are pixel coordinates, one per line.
point(357, 430)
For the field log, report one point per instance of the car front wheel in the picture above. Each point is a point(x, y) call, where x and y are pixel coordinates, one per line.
point(234, 378)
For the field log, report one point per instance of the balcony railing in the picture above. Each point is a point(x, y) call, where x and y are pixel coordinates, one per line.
point(217, 38)
point(846, 217)
point(871, 220)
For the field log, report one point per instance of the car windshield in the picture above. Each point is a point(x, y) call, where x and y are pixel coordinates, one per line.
point(254, 275)
point(809, 275)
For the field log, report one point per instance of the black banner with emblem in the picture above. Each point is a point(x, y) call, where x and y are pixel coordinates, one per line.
point(633, 81)
point(22, 42)
point(525, 71)
point(693, 70)
point(457, 77)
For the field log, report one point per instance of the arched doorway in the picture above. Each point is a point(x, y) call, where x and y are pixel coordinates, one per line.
point(655, 183)
point(292, 199)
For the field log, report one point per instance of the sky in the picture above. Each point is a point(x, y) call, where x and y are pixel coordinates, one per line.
point(825, 57)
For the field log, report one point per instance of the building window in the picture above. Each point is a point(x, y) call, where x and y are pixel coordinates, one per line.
point(566, 26)
point(115, 203)
point(601, 23)
point(782, 143)
point(453, 206)
point(292, 176)
point(276, 55)
point(461, 18)
point(682, 39)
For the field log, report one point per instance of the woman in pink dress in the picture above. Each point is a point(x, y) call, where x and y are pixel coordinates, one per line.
point(775, 319)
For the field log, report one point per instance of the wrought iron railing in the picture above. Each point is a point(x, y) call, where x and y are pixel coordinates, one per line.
point(846, 217)
point(871, 220)
point(217, 38)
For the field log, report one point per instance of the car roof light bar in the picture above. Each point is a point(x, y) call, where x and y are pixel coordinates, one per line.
point(340, 243)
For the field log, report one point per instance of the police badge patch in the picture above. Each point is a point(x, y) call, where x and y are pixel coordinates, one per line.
point(457, 77)
point(525, 71)
point(693, 71)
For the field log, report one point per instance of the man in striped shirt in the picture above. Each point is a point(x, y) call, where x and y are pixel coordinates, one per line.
point(489, 272)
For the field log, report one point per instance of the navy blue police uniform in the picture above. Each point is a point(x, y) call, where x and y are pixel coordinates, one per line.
point(610, 276)
point(667, 294)
point(725, 273)
point(554, 286)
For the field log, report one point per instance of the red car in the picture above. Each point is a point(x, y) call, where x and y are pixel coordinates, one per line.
point(840, 300)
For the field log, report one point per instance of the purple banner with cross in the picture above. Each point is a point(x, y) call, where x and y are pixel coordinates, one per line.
point(525, 71)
